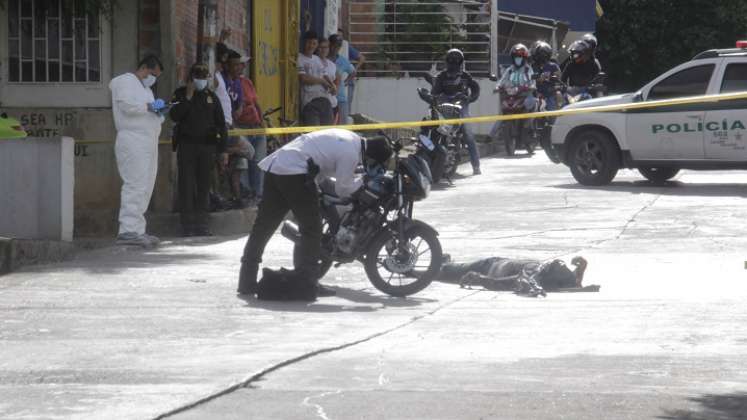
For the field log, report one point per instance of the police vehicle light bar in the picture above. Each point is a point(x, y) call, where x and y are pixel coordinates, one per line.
point(742, 44)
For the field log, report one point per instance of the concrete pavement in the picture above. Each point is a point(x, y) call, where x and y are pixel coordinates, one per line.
point(122, 333)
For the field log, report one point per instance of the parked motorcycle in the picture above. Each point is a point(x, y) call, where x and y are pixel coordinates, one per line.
point(401, 255)
point(441, 146)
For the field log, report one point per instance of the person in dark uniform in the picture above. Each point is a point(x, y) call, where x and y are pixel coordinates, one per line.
point(200, 133)
point(455, 82)
point(289, 184)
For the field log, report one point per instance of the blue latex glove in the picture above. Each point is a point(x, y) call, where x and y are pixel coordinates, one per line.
point(157, 106)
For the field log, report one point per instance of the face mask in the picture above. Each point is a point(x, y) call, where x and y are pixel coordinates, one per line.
point(518, 61)
point(149, 80)
point(200, 84)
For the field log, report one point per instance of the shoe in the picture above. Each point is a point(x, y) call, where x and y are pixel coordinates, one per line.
point(324, 291)
point(248, 279)
point(131, 238)
point(476, 171)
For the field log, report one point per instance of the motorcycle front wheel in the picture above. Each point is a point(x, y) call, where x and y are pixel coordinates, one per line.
point(403, 269)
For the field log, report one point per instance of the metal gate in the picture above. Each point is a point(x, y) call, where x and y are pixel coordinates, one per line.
point(409, 37)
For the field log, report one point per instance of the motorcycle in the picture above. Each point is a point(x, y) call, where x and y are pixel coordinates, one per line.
point(401, 255)
point(543, 126)
point(441, 146)
point(596, 89)
point(517, 133)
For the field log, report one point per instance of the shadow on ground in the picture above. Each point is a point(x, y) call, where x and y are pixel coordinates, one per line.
point(713, 407)
point(674, 188)
point(377, 301)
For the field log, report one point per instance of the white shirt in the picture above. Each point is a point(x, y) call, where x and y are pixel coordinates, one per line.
point(337, 152)
point(330, 70)
point(225, 101)
point(311, 66)
point(130, 101)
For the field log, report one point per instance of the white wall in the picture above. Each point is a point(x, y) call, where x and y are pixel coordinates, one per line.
point(394, 100)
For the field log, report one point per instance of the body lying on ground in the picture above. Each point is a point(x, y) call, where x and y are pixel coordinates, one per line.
point(522, 276)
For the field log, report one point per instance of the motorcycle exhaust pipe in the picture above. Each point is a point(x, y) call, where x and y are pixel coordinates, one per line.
point(290, 231)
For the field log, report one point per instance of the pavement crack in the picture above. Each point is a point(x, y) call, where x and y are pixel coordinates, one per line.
point(319, 409)
point(635, 216)
point(261, 374)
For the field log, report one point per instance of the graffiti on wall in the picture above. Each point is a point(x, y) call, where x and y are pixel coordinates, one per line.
point(52, 124)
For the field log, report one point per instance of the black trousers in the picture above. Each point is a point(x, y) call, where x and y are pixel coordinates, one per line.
point(195, 164)
point(454, 271)
point(318, 112)
point(280, 194)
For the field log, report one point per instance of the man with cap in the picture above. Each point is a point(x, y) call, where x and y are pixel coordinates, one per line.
point(289, 184)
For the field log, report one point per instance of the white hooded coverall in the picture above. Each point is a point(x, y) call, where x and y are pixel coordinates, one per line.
point(136, 149)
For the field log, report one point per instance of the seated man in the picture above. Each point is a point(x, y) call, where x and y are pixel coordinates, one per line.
point(528, 277)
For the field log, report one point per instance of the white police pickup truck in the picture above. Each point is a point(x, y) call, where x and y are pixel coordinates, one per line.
point(661, 141)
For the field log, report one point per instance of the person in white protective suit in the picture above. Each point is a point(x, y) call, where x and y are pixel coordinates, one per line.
point(137, 117)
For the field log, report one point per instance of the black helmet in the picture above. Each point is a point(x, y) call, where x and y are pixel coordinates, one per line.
point(378, 149)
point(520, 50)
point(579, 50)
point(591, 40)
point(454, 60)
point(541, 52)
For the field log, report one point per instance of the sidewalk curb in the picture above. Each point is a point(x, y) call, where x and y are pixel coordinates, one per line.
point(16, 253)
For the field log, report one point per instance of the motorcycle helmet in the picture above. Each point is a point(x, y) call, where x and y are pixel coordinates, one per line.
point(519, 55)
point(541, 52)
point(579, 51)
point(591, 40)
point(454, 60)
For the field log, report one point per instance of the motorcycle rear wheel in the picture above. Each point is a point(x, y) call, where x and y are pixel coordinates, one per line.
point(384, 257)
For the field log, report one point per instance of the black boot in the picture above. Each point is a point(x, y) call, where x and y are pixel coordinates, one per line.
point(248, 278)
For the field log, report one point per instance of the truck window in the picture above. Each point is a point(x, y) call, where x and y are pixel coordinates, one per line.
point(735, 78)
point(688, 82)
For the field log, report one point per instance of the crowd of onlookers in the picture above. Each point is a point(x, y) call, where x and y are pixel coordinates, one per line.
point(327, 78)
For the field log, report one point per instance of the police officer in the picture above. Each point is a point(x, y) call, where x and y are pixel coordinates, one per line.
point(200, 133)
point(452, 83)
point(289, 184)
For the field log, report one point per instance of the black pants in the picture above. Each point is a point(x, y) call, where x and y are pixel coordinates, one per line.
point(454, 271)
point(195, 164)
point(280, 194)
point(318, 112)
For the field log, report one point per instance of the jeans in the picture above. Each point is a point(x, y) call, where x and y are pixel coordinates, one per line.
point(256, 175)
point(351, 96)
point(469, 138)
point(344, 110)
point(317, 112)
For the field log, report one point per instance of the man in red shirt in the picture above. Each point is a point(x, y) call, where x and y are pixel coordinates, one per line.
point(251, 117)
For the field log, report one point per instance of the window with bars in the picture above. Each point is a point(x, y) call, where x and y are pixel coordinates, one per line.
point(53, 41)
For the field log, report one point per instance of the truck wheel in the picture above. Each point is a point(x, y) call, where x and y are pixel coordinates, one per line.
point(594, 158)
point(658, 175)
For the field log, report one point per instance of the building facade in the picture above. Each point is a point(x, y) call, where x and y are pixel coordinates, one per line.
point(56, 63)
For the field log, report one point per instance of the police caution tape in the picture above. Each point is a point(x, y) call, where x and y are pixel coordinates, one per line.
point(703, 126)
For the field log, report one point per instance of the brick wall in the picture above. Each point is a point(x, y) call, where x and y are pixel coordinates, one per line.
point(232, 14)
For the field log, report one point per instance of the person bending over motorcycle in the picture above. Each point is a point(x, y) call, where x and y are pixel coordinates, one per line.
point(548, 71)
point(582, 67)
point(518, 76)
point(454, 83)
point(290, 185)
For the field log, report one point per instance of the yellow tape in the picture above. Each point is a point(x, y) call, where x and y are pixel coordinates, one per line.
point(493, 118)
point(471, 120)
